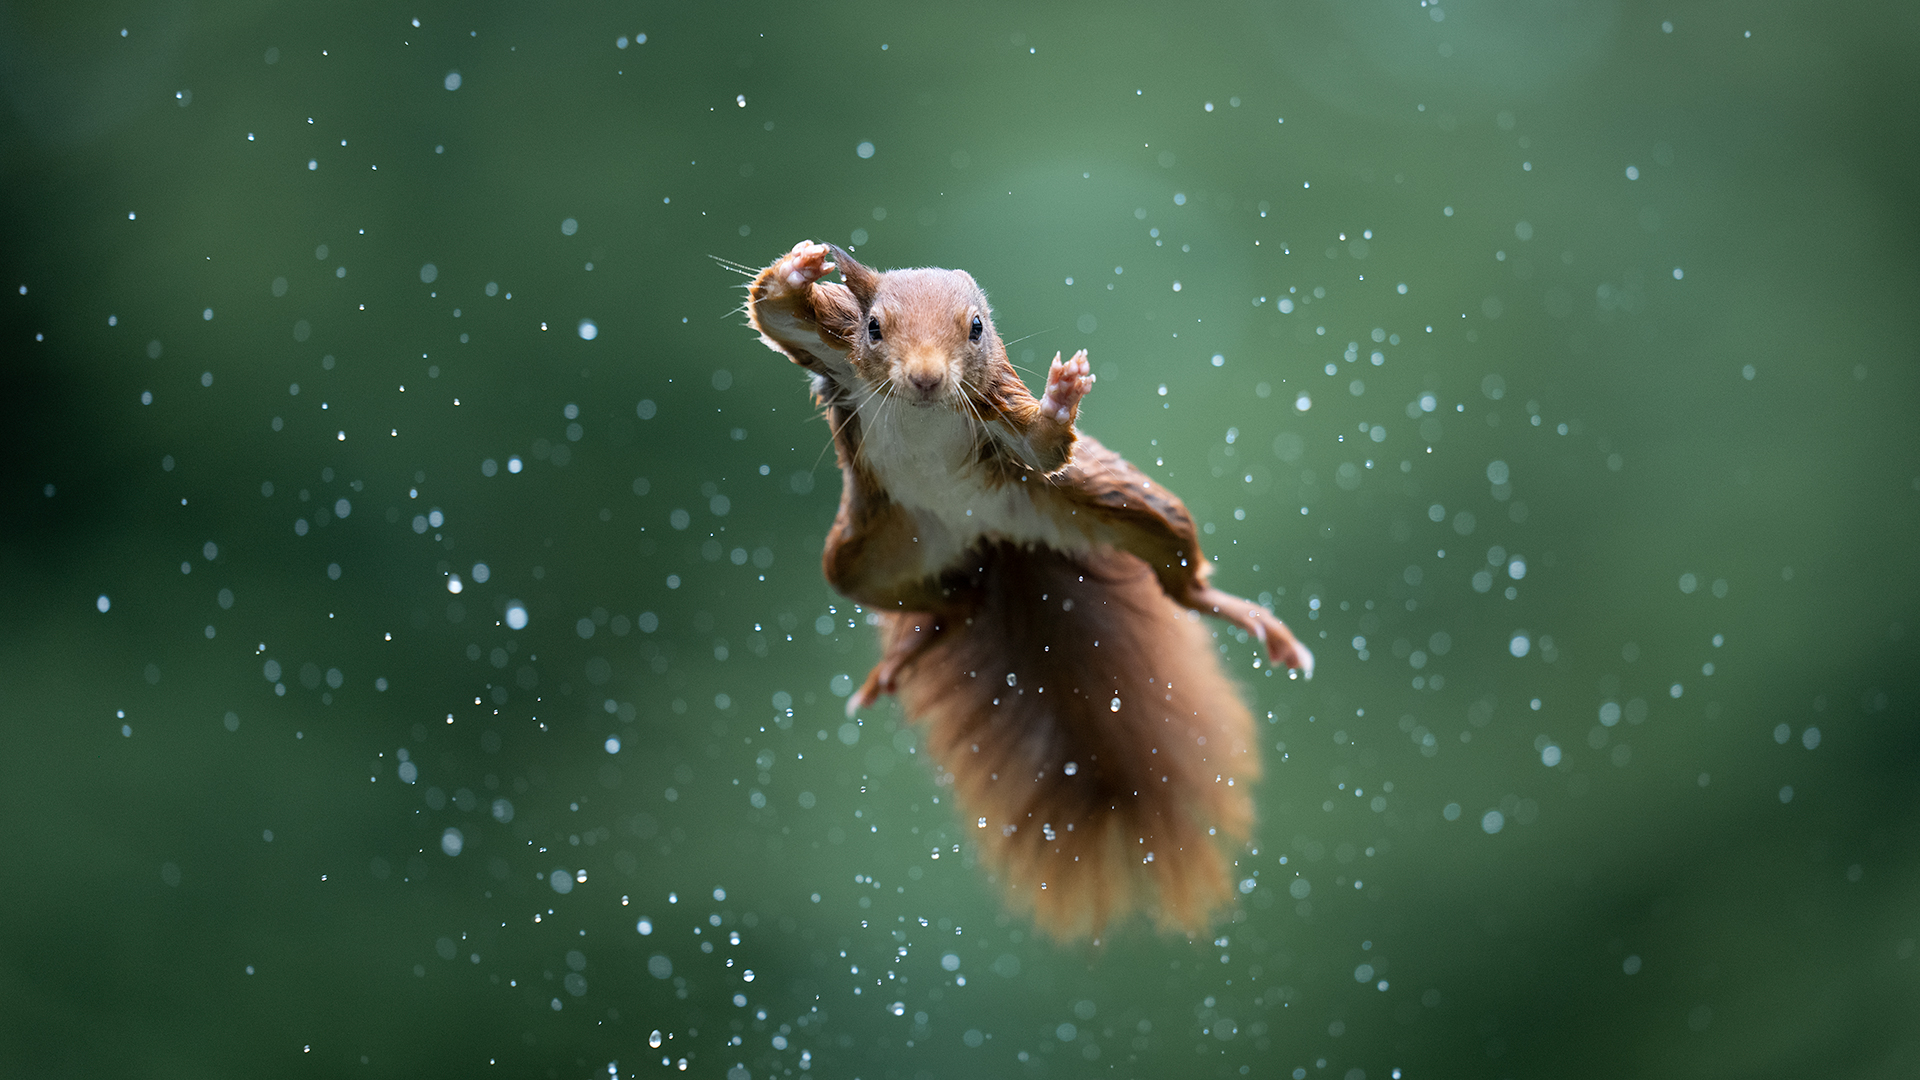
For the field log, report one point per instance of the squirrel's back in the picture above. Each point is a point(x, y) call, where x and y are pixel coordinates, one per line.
point(1093, 742)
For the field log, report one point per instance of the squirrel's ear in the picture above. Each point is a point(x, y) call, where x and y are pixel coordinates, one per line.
point(862, 280)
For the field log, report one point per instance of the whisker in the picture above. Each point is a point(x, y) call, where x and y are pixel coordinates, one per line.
point(1035, 334)
point(738, 268)
point(1018, 340)
point(817, 458)
point(976, 423)
point(872, 392)
point(853, 410)
point(833, 436)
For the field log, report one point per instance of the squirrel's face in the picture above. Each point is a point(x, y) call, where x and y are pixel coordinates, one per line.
point(925, 336)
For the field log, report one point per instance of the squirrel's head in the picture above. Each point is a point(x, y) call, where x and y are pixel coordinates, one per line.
point(924, 336)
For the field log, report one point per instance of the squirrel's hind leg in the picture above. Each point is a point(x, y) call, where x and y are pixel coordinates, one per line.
point(904, 635)
point(1282, 647)
point(1150, 522)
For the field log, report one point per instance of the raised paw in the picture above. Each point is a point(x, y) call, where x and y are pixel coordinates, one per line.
point(799, 268)
point(1067, 383)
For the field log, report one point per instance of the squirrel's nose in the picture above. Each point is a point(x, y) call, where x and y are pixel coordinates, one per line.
point(925, 381)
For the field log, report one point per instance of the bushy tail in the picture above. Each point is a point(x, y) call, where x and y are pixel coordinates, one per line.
point(1090, 735)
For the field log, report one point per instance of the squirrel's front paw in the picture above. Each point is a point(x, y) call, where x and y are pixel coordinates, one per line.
point(1067, 383)
point(799, 268)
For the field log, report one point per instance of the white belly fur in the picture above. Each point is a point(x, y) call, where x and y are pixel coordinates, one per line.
point(923, 457)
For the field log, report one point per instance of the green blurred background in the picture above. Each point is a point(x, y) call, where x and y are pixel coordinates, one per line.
point(1583, 331)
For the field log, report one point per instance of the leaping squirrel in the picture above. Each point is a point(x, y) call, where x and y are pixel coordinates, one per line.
point(1036, 596)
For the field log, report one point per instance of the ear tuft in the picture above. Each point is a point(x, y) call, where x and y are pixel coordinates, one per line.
point(861, 279)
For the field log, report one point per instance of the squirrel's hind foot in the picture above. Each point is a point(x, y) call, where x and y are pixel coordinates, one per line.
point(879, 682)
point(866, 695)
point(1282, 647)
point(903, 637)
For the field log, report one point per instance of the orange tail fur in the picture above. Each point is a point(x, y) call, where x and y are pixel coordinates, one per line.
point(1088, 729)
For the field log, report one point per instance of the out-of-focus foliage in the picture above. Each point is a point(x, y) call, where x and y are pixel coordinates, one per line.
point(416, 660)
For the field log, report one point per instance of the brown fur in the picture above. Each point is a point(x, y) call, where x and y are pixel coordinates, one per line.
point(1160, 783)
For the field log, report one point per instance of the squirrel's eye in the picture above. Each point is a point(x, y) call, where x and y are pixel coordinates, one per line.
point(974, 333)
point(873, 328)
